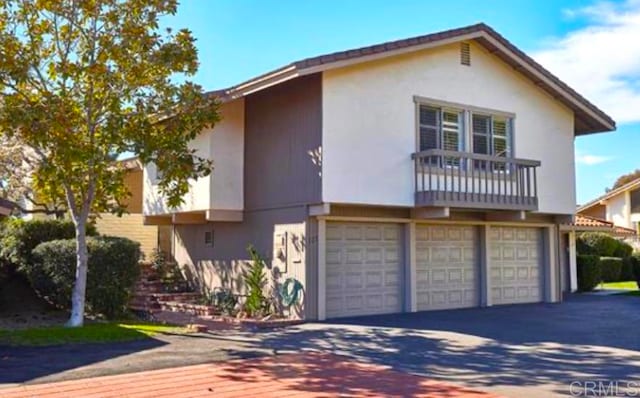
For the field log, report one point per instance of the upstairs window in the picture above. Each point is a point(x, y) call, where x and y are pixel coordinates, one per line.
point(440, 129)
point(491, 135)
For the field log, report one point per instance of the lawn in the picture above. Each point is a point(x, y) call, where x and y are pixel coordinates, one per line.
point(629, 285)
point(91, 333)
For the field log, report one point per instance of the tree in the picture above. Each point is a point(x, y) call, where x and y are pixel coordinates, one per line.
point(83, 81)
point(625, 179)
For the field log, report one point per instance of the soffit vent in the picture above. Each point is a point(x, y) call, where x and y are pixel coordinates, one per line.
point(465, 54)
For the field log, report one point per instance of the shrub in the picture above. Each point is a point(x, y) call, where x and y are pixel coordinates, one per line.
point(611, 268)
point(626, 274)
point(589, 272)
point(20, 237)
point(635, 265)
point(623, 249)
point(112, 271)
point(601, 244)
point(255, 279)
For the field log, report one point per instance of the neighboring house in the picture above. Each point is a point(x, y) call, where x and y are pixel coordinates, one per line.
point(422, 174)
point(621, 206)
point(131, 225)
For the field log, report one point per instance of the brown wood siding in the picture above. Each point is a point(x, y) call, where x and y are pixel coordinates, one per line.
point(283, 134)
point(369, 211)
point(129, 226)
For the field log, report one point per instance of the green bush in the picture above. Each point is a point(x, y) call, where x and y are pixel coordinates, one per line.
point(623, 250)
point(589, 272)
point(602, 244)
point(18, 238)
point(635, 264)
point(113, 270)
point(611, 268)
point(255, 280)
point(626, 274)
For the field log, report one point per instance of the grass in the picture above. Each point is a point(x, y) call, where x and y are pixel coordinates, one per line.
point(90, 333)
point(629, 285)
point(630, 293)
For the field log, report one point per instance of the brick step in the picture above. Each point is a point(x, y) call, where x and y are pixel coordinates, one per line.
point(187, 308)
point(177, 297)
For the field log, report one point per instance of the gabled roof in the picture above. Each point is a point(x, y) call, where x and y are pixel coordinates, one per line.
point(614, 192)
point(588, 117)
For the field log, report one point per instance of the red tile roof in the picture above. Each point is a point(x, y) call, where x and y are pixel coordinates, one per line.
point(586, 223)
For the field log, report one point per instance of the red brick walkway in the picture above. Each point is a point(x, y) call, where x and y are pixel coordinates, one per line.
point(298, 375)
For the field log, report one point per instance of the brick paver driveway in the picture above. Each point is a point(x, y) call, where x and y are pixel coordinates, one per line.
point(293, 375)
point(533, 350)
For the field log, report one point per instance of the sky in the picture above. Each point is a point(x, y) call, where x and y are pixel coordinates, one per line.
point(594, 46)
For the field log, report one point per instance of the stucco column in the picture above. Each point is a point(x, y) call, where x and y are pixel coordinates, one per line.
point(411, 297)
point(573, 264)
point(322, 269)
point(485, 271)
point(550, 262)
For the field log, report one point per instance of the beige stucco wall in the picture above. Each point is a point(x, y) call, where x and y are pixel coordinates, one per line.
point(278, 235)
point(129, 226)
point(223, 188)
point(618, 210)
point(369, 124)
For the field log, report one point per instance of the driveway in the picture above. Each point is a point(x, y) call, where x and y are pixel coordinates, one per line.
point(534, 350)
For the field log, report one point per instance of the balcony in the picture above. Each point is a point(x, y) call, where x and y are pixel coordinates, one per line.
point(475, 181)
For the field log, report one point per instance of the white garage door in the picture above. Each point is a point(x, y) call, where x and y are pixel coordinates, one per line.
point(364, 269)
point(516, 273)
point(446, 267)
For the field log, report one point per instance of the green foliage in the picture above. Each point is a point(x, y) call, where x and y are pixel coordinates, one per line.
point(623, 250)
point(626, 273)
point(224, 300)
point(255, 280)
point(601, 244)
point(112, 272)
point(18, 238)
point(625, 179)
point(611, 269)
point(635, 264)
point(589, 272)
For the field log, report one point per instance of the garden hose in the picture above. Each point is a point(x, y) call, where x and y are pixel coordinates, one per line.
point(290, 294)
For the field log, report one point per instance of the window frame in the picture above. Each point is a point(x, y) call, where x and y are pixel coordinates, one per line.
point(466, 123)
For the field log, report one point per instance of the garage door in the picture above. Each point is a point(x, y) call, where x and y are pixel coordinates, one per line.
point(364, 269)
point(516, 273)
point(446, 267)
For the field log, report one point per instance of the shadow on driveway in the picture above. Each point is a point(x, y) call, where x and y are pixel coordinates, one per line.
point(585, 338)
point(22, 364)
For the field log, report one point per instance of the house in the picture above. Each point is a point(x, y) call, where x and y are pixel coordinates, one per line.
point(422, 174)
point(621, 206)
point(130, 225)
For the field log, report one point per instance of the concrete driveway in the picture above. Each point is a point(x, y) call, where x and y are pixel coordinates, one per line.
point(534, 350)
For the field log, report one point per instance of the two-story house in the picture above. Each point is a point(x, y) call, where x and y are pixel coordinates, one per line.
point(620, 206)
point(422, 174)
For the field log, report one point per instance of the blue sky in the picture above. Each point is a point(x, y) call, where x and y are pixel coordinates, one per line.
point(593, 46)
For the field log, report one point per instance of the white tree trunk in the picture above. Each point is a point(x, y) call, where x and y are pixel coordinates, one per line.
point(80, 286)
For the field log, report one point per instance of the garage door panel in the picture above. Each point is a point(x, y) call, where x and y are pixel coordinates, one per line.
point(515, 265)
point(370, 264)
point(446, 267)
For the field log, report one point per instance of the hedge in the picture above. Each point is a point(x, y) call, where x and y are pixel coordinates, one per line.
point(589, 272)
point(635, 264)
point(611, 268)
point(626, 274)
point(602, 244)
point(18, 238)
point(112, 272)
